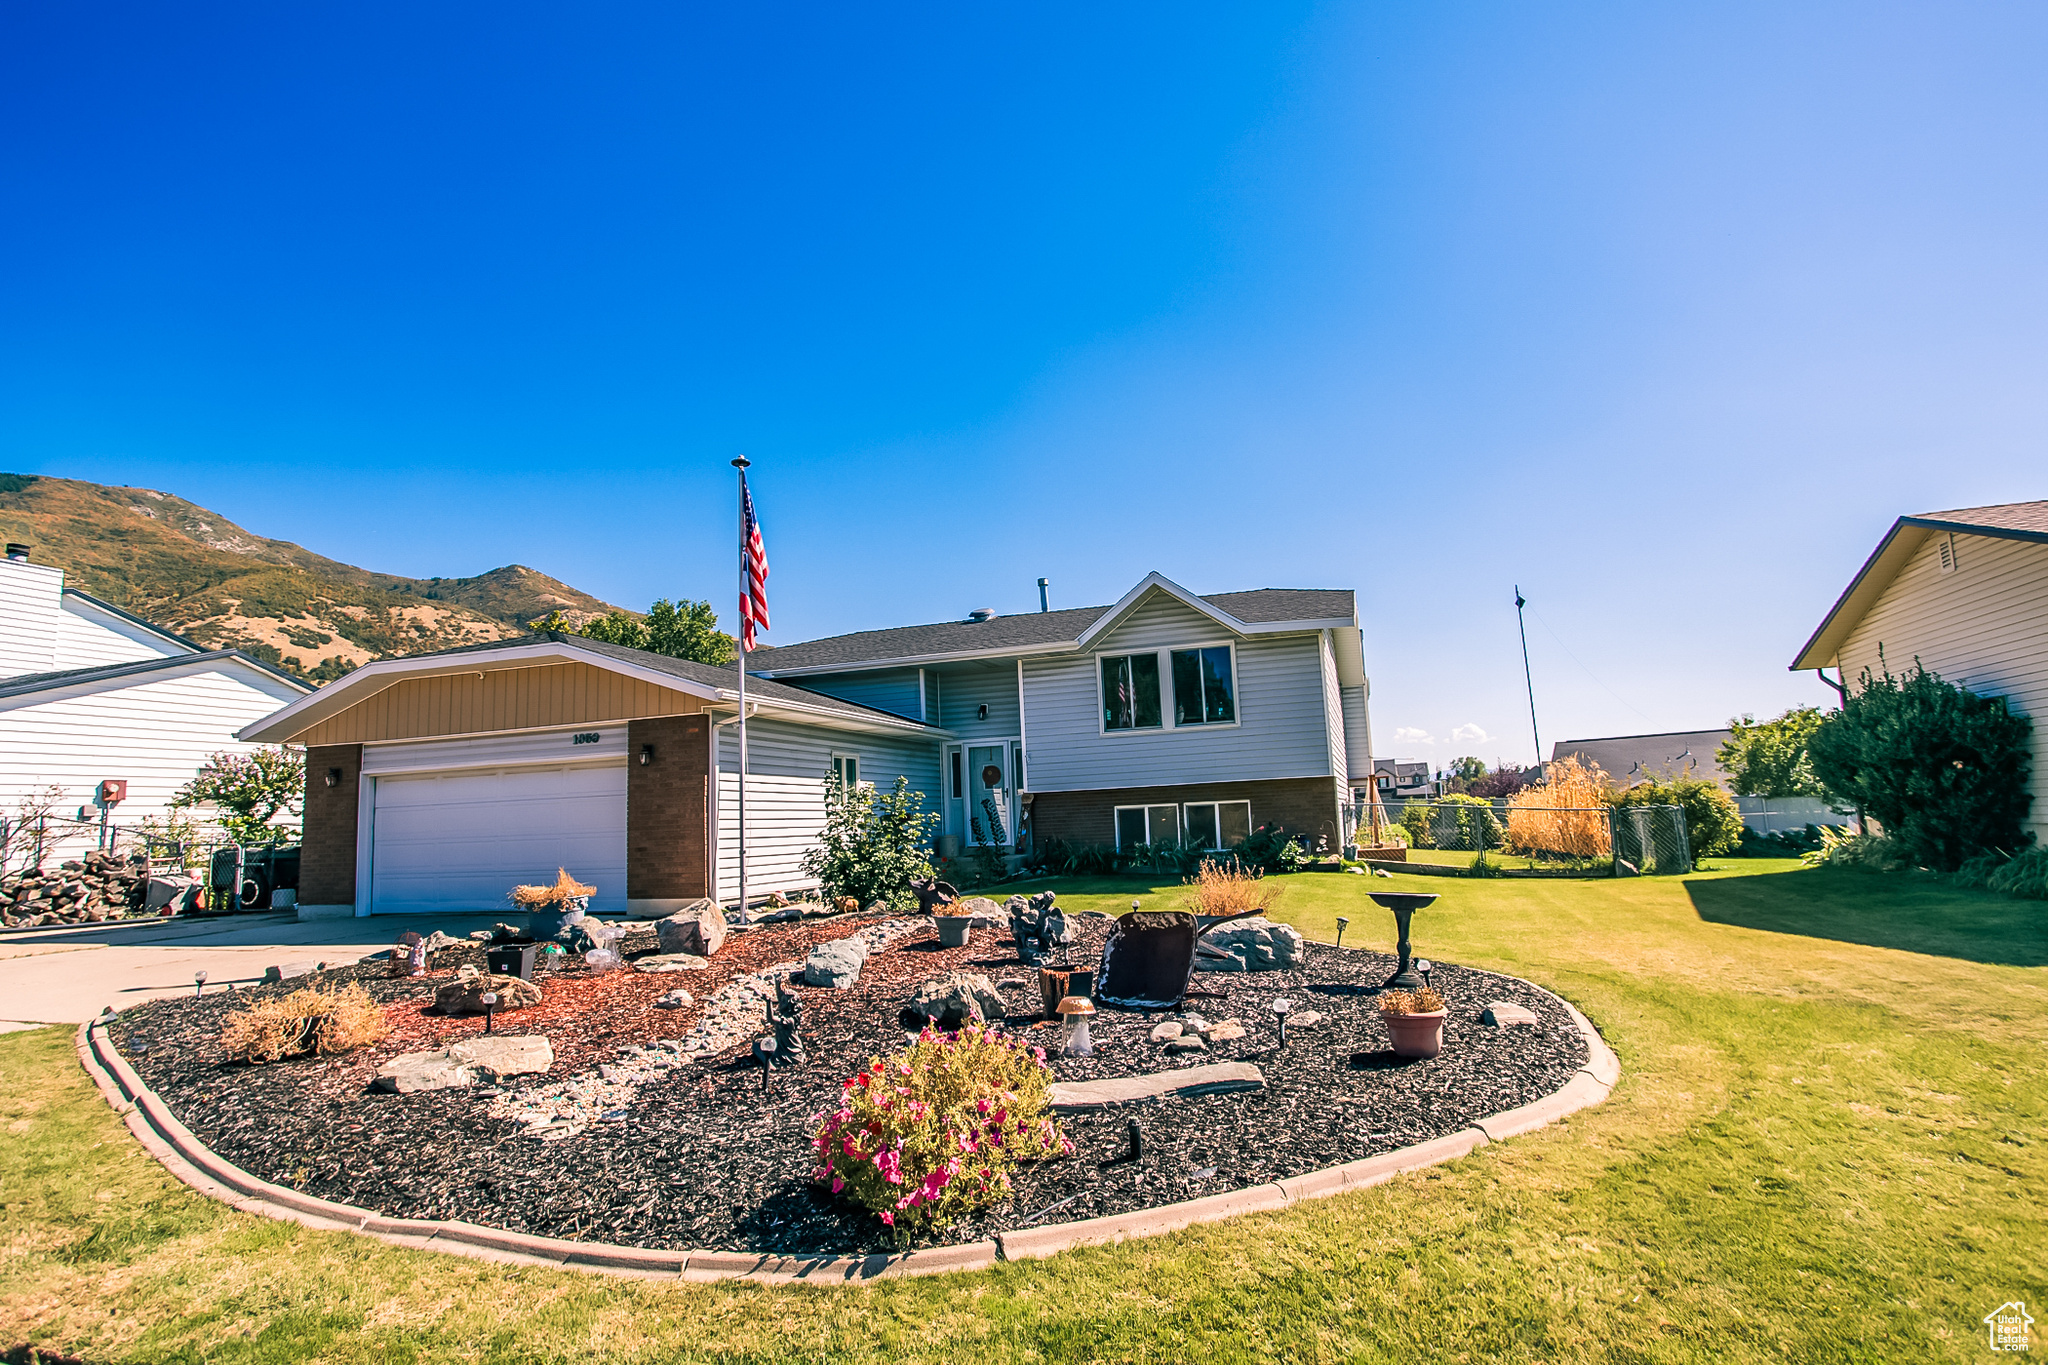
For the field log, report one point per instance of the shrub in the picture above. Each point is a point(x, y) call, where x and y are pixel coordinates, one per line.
point(1865, 852)
point(1270, 848)
point(1227, 887)
point(1058, 857)
point(248, 791)
point(873, 844)
point(2025, 876)
point(1941, 768)
point(565, 889)
point(932, 1134)
point(1713, 822)
point(304, 1021)
point(1783, 843)
point(1457, 821)
point(1565, 815)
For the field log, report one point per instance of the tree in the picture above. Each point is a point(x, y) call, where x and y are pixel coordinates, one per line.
point(873, 843)
point(1769, 758)
point(1463, 772)
point(1941, 768)
point(1505, 780)
point(249, 791)
point(681, 630)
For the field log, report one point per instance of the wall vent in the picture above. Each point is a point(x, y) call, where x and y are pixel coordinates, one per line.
point(1948, 553)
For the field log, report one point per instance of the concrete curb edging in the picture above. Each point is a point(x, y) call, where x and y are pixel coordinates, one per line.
point(182, 1153)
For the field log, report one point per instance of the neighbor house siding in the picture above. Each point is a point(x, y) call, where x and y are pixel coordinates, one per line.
point(786, 769)
point(498, 699)
point(154, 731)
point(894, 690)
point(88, 638)
point(1357, 735)
point(1282, 730)
point(1984, 627)
point(30, 617)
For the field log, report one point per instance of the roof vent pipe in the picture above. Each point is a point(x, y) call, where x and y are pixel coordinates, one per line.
point(1043, 603)
point(17, 552)
point(982, 614)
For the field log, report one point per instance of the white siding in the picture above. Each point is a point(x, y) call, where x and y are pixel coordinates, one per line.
point(1333, 709)
point(1357, 734)
point(969, 687)
point(29, 617)
point(1283, 728)
point(886, 689)
point(1984, 627)
point(155, 731)
point(786, 766)
point(88, 637)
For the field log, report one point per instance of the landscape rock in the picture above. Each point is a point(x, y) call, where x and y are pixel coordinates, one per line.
point(1168, 1031)
point(1257, 945)
point(464, 994)
point(697, 928)
point(1187, 1042)
point(290, 971)
point(1225, 1031)
point(670, 962)
point(1501, 1013)
point(492, 1057)
point(675, 1000)
point(836, 964)
point(952, 1000)
point(1306, 1019)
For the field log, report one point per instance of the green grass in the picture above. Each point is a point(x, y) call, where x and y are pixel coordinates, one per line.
point(1828, 1145)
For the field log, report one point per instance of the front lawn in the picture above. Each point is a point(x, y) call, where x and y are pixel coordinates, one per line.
point(1827, 1145)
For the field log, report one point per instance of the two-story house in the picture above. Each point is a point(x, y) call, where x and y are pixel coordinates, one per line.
point(437, 781)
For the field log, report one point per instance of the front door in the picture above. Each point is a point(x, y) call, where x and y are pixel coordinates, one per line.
point(991, 796)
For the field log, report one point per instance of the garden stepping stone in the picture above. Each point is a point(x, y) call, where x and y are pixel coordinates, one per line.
point(1221, 1078)
point(1501, 1013)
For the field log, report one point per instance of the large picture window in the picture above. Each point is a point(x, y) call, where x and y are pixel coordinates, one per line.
point(1130, 692)
point(1139, 825)
point(1202, 689)
point(1218, 824)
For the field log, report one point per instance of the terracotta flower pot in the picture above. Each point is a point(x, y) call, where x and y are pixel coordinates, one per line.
point(1417, 1035)
point(953, 929)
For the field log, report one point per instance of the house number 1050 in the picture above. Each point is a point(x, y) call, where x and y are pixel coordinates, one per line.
point(587, 737)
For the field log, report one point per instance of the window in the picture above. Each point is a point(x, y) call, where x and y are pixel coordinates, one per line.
point(1137, 825)
point(1202, 690)
point(956, 774)
point(1219, 824)
point(845, 771)
point(1130, 692)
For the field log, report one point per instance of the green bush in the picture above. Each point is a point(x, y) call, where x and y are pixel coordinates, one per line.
point(1941, 768)
point(873, 843)
point(1415, 824)
point(1769, 758)
point(932, 1134)
point(1268, 849)
point(1864, 852)
point(1713, 822)
point(2025, 876)
point(1455, 821)
point(249, 791)
point(1783, 843)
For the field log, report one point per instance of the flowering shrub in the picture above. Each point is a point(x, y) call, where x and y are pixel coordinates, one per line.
point(931, 1134)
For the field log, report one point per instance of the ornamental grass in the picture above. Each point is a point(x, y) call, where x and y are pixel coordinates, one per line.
point(1424, 1001)
point(304, 1021)
point(1228, 887)
point(932, 1134)
point(565, 889)
point(1564, 816)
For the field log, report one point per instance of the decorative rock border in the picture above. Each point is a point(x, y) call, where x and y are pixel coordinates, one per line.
point(186, 1157)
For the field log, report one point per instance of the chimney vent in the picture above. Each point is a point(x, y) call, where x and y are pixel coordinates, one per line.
point(982, 614)
point(1043, 603)
point(17, 552)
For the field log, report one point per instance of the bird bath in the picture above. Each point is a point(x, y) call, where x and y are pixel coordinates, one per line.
point(1404, 904)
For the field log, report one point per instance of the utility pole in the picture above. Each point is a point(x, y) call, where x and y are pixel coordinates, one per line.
point(1527, 677)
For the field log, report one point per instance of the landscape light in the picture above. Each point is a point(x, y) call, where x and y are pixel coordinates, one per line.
point(1280, 1007)
point(1341, 923)
point(490, 999)
point(198, 983)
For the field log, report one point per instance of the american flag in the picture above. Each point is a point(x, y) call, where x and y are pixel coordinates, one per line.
point(754, 567)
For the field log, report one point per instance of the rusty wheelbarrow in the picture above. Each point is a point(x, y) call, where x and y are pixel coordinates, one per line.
point(1149, 957)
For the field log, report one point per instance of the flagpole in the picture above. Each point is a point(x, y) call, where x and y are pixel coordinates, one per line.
point(746, 589)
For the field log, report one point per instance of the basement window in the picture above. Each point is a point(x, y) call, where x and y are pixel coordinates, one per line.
point(1218, 824)
point(1137, 825)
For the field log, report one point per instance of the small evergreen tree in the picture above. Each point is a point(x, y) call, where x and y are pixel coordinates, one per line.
point(873, 844)
point(1941, 768)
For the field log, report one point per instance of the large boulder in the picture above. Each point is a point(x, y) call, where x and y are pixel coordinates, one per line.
point(697, 928)
point(464, 995)
point(951, 1001)
point(491, 1057)
point(836, 964)
point(1252, 945)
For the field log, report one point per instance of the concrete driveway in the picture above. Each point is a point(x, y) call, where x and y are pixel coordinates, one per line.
point(68, 975)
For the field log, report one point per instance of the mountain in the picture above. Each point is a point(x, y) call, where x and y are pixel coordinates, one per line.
point(180, 565)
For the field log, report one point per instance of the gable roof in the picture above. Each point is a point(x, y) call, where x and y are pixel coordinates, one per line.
point(719, 686)
point(2003, 521)
point(1629, 759)
point(27, 683)
point(1046, 632)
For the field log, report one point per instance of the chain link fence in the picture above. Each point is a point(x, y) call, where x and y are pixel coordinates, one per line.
point(1628, 840)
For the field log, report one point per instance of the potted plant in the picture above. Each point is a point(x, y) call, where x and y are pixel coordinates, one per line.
point(554, 907)
point(1415, 1021)
point(953, 922)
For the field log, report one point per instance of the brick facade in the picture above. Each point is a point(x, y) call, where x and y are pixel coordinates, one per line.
point(327, 862)
point(668, 811)
point(1300, 805)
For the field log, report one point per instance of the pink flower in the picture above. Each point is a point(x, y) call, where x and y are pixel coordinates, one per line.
point(837, 1184)
point(889, 1218)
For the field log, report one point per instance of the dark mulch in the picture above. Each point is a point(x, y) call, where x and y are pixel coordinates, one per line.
point(707, 1159)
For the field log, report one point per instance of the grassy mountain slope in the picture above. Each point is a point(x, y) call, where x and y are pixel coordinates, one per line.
point(189, 568)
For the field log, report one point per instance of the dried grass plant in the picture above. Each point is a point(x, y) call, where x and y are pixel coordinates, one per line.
point(304, 1021)
point(565, 888)
point(1227, 887)
point(1565, 815)
point(1424, 1001)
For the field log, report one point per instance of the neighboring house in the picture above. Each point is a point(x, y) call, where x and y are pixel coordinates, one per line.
point(1966, 594)
point(1630, 759)
point(1404, 781)
point(439, 781)
point(1163, 716)
point(90, 693)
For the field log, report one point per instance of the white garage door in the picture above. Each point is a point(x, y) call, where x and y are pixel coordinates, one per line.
point(460, 841)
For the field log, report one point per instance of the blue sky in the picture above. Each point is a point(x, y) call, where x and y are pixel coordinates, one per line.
point(1661, 315)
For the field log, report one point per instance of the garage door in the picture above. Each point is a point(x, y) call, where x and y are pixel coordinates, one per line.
point(460, 841)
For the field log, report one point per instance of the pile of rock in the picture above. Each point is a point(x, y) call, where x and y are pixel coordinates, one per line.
point(99, 886)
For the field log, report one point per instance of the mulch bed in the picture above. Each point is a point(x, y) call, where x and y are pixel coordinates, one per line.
point(705, 1158)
